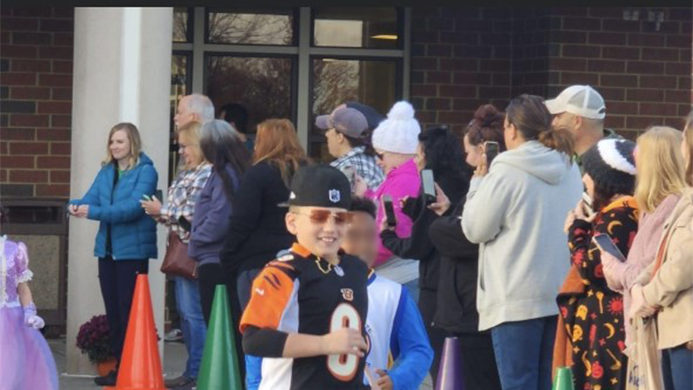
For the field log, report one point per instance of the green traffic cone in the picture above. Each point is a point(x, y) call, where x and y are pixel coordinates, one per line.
point(564, 379)
point(219, 368)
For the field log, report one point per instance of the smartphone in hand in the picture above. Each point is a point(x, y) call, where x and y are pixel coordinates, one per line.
point(429, 189)
point(389, 211)
point(491, 149)
point(606, 244)
point(587, 204)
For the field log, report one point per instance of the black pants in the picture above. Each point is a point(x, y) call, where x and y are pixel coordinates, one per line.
point(427, 306)
point(478, 365)
point(117, 280)
point(209, 276)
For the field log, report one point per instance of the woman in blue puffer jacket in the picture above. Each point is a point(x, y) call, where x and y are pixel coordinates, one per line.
point(127, 236)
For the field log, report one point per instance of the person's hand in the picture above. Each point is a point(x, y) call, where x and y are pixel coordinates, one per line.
point(151, 207)
point(403, 201)
point(344, 341)
point(639, 306)
point(385, 226)
point(384, 382)
point(580, 212)
point(79, 211)
point(72, 209)
point(569, 219)
point(481, 169)
point(442, 203)
point(360, 186)
point(31, 319)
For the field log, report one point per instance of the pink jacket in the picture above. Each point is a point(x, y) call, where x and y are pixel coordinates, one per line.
point(620, 277)
point(399, 182)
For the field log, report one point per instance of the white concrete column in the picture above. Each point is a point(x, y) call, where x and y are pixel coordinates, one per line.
point(122, 72)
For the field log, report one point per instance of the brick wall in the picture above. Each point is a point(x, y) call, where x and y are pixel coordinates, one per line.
point(35, 101)
point(643, 73)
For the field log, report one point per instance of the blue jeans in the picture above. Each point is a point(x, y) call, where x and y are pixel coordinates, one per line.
point(192, 323)
point(524, 352)
point(676, 366)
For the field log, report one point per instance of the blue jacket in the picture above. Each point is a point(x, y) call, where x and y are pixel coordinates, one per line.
point(133, 233)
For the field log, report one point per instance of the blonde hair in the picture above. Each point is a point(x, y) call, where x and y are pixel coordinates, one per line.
point(135, 144)
point(661, 168)
point(688, 138)
point(192, 131)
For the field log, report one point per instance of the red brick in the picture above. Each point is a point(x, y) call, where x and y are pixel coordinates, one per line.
point(18, 24)
point(495, 39)
point(3, 175)
point(13, 134)
point(459, 64)
point(580, 51)
point(614, 121)
point(30, 93)
point(61, 94)
point(18, 51)
point(606, 66)
point(32, 12)
point(468, 104)
point(678, 68)
point(678, 96)
point(603, 38)
point(17, 161)
point(582, 24)
point(4, 148)
point(60, 148)
point(457, 91)
point(472, 78)
point(473, 52)
point(62, 52)
point(55, 80)
point(62, 67)
point(28, 176)
point(644, 67)
point(624, 108)
point(645, 95)
point(424, 63)
point(425, 116)
point(661, 109)
point(28, 120)
point(57, 25)
point(16, 78)
point(621, 53)
point(30, 65)
point(31, 148)
point(55, 108)
point(63, 39)
point(53, 190)
point(650, 40)
point(612, 94)
point(60, 177)
point(675, 122)
point(569, 37)
point(657, 82)
point(685, 55)
point(466, 37)
point(437, 104)
point(449, 117)
point(684, 109)
point(53, 134)
point(53, 162)
point(64, 12)
point(424, 37)
point(61, 120)
point(642, 122)
point(493, 92)
point(31, 38)
point(681, 41)
point(441, 24)
point(685, 83)
point(439, 50)
point(664, 28)
point(5, 38)
point(612, 80)
point(622, 25)
point(438, 77)
point(473, 25)
point(495, 65)
point(570, 78)
point(424, 90)
point(606, 12)
point(660, 54)
point(572, 64)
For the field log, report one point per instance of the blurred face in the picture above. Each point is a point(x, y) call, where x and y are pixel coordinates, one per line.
point(183, 114)
point(420, 158)
point(191, 153)
point(333, 142)
point(474, 152)
point(361, 238)
point(318, 229)
point(589, 184)
point(566, 119)
point(385, 160)
point(119, 145)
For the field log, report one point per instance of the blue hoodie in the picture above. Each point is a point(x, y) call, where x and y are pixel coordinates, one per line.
point(133, 233)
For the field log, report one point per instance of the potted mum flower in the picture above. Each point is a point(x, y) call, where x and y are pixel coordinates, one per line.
point(93, 339)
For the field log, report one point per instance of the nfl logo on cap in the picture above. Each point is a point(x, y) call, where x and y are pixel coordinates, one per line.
point(334, 196)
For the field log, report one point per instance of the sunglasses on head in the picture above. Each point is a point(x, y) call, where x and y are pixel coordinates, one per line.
point(321, 216)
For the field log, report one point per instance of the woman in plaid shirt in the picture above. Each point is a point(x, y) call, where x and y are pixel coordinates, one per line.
point(182, 196)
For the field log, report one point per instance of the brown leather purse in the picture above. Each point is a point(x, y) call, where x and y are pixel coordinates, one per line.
point(177, 262)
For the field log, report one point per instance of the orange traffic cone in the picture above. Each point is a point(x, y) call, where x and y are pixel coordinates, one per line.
point(140, 365)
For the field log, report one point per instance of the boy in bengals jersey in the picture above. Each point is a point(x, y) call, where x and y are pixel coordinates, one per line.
point(307, 310)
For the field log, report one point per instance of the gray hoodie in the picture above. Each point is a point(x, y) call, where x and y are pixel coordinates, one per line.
point(516, 213)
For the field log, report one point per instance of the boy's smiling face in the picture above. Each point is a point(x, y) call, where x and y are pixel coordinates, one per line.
point(322, 239)
point(361, 239)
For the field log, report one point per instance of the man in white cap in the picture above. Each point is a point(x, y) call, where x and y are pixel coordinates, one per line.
point(581, 110)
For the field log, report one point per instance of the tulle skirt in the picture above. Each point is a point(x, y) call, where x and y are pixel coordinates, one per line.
point(26, 361)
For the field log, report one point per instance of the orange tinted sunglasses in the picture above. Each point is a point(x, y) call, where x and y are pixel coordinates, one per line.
point(321, 216)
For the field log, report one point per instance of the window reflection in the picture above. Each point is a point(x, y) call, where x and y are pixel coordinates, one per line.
point(370, 27)
point(262, 85)
point(180, 86)
point(250, 28)
point(181, 24)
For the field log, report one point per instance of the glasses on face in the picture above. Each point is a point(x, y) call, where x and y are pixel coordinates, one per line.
point(321, 216)
point(380, 155)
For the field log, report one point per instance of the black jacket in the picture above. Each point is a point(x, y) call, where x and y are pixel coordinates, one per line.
point(459, 259)
point(419, 246)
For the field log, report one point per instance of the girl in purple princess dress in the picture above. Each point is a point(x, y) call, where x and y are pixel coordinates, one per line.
point(26, 362)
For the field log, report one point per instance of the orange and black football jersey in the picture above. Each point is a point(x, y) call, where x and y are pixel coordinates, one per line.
point(300, 293)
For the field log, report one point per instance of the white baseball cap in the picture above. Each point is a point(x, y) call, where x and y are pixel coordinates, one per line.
point(581, 100)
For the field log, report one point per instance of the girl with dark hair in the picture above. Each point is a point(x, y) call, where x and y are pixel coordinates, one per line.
point(593, 317)
point(515, 210)
point(456, 311)
point(438, 150)
point(223, 148)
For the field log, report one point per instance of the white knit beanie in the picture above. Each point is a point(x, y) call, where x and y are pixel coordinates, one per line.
point(399, 133)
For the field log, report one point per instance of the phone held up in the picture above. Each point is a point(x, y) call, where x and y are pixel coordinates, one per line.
point(429, 189)
point(587, 204)
point(389, 211)
point(606, 244)
point(491, 149)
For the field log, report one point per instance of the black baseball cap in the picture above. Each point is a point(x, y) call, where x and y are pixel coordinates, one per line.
point(319, 185)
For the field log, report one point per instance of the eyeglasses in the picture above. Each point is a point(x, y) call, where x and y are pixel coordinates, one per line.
point(380, 156)
point(321, 216)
